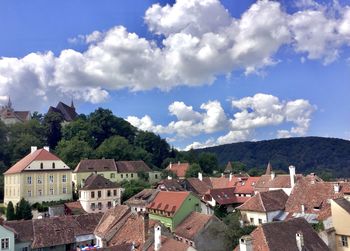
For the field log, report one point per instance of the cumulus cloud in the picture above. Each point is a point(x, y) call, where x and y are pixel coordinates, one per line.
point(258, 111)
point(198, 40)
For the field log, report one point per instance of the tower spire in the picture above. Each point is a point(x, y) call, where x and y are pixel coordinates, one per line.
point(9, 103)
point(72, 104)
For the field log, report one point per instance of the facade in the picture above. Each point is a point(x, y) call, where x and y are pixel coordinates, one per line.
point(341, 223)
point(99, 194)
point(264, 207)
point(7, 238)
point(171, 208)
point(39, 176)
point(112, 170)
point(9, 116)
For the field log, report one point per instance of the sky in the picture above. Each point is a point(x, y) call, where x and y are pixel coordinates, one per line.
point(197, 72)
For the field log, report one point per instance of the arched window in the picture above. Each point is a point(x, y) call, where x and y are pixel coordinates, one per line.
point(53, 165)
point(41, 165)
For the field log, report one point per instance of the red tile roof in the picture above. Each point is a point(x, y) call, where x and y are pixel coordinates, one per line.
point(169, 244)
point(179, 169)
point(38, 155)
point(191, 226)
point(168, 201)
point(266, 202)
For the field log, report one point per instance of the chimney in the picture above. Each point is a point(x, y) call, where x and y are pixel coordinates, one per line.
point(336, 187)
point(230, 177)
point(33, 149)
point(246, 243)
point(312, 178)
point(157, 237)
point(178, 162)
point(302, 208)
point(292, 176)
point(170, 178)
point(222, 175)
point(145, 226)
point(300, 240)
point(170, 165)
point(114, 203)
point(200, 176)
point(47, 148)
point(273, 175)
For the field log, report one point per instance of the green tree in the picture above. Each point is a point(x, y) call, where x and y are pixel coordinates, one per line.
point(193, 170)
point(10, 212)
point(115, 147)
point(80, 129)
point(208, 162)
point(165, 173)
point(133, 187)
point(52, 123)
point(23, 210)
point(72, 151)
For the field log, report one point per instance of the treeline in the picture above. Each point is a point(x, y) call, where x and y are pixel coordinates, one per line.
point(328, 157)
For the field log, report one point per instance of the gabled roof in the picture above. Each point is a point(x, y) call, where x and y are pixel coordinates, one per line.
point(266, 202)
point(199, 186)
point(38, 155)
point(23, 229)
point(68, 113)
point(279, 181)
point(96, 165)
point(168, 201)
point(191, 226)
point(170, 185)
point(277, 236)
point(228, 168)
point(179, 169)
point(343, 203)
point(132, 166)
point(96, 181)
point(225, 196)
point(142, 198)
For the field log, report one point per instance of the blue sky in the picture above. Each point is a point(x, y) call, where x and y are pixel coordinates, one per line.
point(199, 73)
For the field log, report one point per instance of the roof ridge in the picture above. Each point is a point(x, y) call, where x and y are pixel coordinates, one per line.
point(262, 202)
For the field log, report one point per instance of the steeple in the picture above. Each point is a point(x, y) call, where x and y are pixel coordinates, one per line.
point(268, 169)
point(72, 104)
point(9, 103)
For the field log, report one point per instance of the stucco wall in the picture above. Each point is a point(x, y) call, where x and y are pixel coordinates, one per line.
point(5, 233)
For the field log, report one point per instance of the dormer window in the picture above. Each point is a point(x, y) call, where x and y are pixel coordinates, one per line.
point(53, 165)
point(41, 165)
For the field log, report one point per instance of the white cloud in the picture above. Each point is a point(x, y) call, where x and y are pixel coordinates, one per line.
point(199, 41)
point(258, 111)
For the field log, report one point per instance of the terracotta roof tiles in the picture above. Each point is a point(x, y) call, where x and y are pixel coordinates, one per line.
point(168, 201)
point(179, 169)
point(266, 202)
point(190, 226)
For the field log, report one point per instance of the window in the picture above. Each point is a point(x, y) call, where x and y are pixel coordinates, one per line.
point(127, 175)
point(5, 243)
point(25, 249)
point(64, 178)
point(40, 192)
point(53, 165)
point(51, 178)
point(260, 221)
point(99, 206)
point(112, 175)
point(99, 194)
point(109, 193)
point(92, 195)
point(51, 191)
point(114, 192)
point(121, 176)
point(132, 175)
point(29, 180)
point(40, 181)
point(156, 176)
point(109, 204)
point(41, 165)
point(64, 190)
point(93, 206)
point(29, 193)
point(344, 240)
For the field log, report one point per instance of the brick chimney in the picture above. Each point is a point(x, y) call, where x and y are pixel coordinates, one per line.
point(246, 243)
point(300, 240)
point(157, 237)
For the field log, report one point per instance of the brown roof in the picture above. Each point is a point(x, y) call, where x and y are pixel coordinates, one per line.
point(142, 198)
point(314, 195)
point(228, 168)
point(277, 236)
point(23, 229)
point(191, 226)
point(170, 185)
point(199, 186)
point(224, 196)
point(168, 201)
point(132, 166)
point(96, 181)
point(40, 154)
point(169, 244)
point(23, 115)
point(266, 202)
point(68, 113)
point(344, 203)
point(96, 165)
point(113, 218)
point(179, 169)
point(279, 181)
point(74, 208)
point(55, 231)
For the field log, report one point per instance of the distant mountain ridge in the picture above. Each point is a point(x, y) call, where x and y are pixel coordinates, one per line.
point(308, 154)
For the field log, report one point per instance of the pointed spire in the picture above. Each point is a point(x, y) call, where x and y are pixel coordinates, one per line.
point(9, 103)
point(72, 104)
point(268, 169)
point(228, 168)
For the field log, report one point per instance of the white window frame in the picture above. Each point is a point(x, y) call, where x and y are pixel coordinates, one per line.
point(64, 190)
point(51, 179)
point(64, 178)
point(29, 193)
point(29, 180)
point(5, 243)
point(39, 180)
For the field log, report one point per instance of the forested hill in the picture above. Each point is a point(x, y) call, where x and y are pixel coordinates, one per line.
point(308, 154)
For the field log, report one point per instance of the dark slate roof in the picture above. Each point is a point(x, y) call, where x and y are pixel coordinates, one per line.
point(96, 165)
point(344, 203)
point(68, 113)
point(96, 181)
point(132, 166)
point(170, 185)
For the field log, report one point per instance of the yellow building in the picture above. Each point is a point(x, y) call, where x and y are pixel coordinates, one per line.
point(115, 171)
point(39, 176)
point(341, 223)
